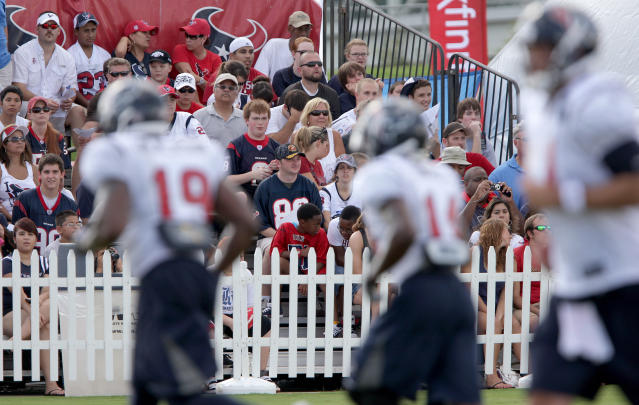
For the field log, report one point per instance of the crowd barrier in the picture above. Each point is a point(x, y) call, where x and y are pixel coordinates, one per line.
point(97, 315)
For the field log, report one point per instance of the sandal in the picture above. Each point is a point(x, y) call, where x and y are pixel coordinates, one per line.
point(55, 392)
point(495, 386)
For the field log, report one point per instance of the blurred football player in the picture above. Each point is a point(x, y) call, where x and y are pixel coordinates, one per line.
point(428, 333)
point(158, 193)
point(583, 171)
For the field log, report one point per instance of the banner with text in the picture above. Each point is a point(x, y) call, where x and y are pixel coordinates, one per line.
point(460, 27)
point(259, 20)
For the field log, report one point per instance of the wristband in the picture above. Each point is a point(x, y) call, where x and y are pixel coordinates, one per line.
point(572, 196)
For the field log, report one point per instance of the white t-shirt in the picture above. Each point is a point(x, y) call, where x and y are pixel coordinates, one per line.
point(44, 80)
point(333, 202)
point(185, 124)
point(274, 56)
point(594, 251)
point(227, 294)
point(19, 121)
point(344, 124)
point(334, 237)
point(91, 78)
point(429, 191)
point(11, 188)
point(169, 179)
point(278, 120)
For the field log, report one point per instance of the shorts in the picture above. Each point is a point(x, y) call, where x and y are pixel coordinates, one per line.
point(265, 327)
point(355, 287)
point(619, 312)
point(173, 355)
point(264, 244)
point(427, 335)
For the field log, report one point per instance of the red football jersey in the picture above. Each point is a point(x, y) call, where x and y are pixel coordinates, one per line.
point(288, 237)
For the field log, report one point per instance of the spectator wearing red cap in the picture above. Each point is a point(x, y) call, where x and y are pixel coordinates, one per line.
point(133, 46)
point(193, 57)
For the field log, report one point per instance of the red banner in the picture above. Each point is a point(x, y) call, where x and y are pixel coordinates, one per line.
point(259, 20)
point(460, 27)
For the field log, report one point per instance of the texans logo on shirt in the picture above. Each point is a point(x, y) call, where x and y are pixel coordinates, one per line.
point(303, 261)
point(13, 190)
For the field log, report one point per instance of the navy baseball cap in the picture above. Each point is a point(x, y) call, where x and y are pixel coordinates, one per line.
point(83, 18)
point(160, 55)
point(287, 151)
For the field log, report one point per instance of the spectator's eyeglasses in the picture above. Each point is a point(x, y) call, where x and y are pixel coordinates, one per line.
point(542, 227)
point(359, 55)
point(37, 110)
point(120, 74)
point(16, 139)
point(187, 90)
point(49, 26)
point(194, 36)
point(313, 64)
point(317, 113)
point(225, 87)
point(73, 225)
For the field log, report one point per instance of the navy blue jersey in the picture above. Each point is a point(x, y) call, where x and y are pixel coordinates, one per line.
point(85, 199)
point(246, 154)
point(31, 204)
point(277, 204)
point(39, 148)
point(25, 271)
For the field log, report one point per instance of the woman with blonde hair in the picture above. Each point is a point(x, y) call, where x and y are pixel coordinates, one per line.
point(317, 112)
point(313, 142)
point(494, 233)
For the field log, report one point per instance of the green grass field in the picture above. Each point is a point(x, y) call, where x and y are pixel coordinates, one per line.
point(607, 396)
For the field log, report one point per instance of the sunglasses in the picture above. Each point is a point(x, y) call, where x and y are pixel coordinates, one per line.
point(317, 113)
point(16, 139)
point(313, 64)
point(542, 227)
point(225, 87)
point(49, 26)
point(186, 90)
point(194, 36)
point(37, 110)
point(119, 74)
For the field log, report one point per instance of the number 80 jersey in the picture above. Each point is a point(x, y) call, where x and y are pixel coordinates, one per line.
point(170, 179)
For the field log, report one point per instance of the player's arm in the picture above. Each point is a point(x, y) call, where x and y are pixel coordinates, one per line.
point(236, 213)
point(110, 216)
point(400, 237)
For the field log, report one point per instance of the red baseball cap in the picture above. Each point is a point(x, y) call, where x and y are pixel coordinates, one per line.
point(140, 25)
point(197, 26)
point(166, 90)
point(34, 100)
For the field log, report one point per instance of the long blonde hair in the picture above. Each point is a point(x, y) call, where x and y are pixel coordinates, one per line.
point(312, 105)
point(490, 235)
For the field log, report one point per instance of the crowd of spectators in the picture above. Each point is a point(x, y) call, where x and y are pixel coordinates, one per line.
point(284, 126)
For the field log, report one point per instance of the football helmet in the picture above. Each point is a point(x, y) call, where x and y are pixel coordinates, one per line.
point(128, 102)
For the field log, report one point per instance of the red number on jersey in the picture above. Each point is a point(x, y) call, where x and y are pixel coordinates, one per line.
point(434, 225)
point(195, 190)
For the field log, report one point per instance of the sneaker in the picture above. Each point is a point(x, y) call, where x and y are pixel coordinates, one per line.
point(210, 386)
point(268, 379)
point(337, 330)
point(227, 360)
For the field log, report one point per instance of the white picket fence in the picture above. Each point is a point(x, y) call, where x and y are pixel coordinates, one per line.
point(98, 319)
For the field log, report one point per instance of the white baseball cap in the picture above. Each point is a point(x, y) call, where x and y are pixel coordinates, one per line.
point(184, 79)
point(240, 42)
point(48, 16)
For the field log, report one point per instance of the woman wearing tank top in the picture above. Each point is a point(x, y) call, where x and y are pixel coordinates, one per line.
point(318, 113)
point(17, 170)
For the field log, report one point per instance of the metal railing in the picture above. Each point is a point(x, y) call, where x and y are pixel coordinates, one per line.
point(497, 94)
point(396, 52)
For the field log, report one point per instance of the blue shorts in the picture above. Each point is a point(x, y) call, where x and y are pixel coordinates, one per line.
point(173, 356)
point(355, 286)
point(619, 311)
point(427, 335)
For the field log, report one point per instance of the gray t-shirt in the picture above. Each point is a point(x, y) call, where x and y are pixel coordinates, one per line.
point(217, 128)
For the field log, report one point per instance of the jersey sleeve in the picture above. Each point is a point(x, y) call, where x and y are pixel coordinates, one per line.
point(334, 237)
point(194, 127)
point(233, 157)
point(261, 204)
point(325, 197)
point(180, 54)
point(279, 240)
point(19, 209)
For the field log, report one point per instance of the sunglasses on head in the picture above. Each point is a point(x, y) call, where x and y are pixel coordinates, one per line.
point(542, 227)
point(186, 90)
point(120, 74)
point(16, 139)
point(38, 110)
point(313, 64)
point(194, 36)
point(225, 87)
point(49, 26)
point(317, 113)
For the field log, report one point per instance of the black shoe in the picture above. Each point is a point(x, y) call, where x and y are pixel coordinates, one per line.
point(227, 360)
point(267, 311)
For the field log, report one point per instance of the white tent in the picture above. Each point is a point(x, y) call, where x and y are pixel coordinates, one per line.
point(618, 49)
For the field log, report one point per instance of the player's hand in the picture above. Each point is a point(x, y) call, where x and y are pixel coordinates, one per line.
point(483, 189)
point(260, 173)
point(53, 105)
point(475, 128)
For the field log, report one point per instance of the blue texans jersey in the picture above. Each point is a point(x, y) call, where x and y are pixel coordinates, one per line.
point(246, 154)
point(39, 148)
point(277, 204)
point(31, 204)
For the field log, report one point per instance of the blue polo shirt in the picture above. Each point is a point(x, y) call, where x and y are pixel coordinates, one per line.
point(510, 173)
